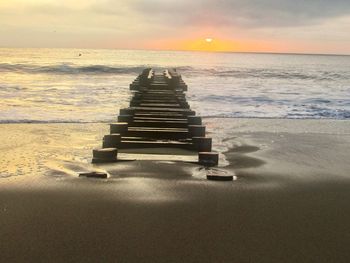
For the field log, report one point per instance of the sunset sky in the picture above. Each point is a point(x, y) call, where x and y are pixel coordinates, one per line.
point(312, 26)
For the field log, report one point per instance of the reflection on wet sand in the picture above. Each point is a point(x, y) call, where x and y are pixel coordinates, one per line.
point(289, 202)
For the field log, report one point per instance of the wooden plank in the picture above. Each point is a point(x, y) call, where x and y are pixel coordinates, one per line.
point(166, 124)
point(170, 110)
point(150, 144)
point(145, 118)
point(160, 115)
point(159, 134)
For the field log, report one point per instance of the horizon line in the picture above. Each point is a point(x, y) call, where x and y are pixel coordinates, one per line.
point(184, 50)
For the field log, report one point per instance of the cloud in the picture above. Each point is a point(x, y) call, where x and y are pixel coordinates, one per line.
point(140, 23)
point(196, 13)
point(247, 13)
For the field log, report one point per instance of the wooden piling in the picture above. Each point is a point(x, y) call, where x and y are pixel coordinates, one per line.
point(105, 155)
point(111, 140)
point(119, 127)
point(202, 144)
point(196, 130)
point(208, 158)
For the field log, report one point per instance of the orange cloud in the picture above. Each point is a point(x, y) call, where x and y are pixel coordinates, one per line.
point(215, 45)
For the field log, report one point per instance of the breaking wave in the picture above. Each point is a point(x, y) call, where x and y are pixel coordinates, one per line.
point(69, 69)
point(246, 73)
point(242, 73)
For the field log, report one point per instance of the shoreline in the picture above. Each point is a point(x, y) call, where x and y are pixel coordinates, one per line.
point(203, 117)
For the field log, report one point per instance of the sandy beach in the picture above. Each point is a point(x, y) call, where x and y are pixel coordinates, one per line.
point(289, 202)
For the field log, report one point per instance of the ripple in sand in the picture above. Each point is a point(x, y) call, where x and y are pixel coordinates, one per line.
point(245, 149)
point(238, 159)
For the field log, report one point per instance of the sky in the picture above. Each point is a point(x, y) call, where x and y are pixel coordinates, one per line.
point(292, 26)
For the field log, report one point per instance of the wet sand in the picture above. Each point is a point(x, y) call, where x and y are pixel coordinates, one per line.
point(289, 202)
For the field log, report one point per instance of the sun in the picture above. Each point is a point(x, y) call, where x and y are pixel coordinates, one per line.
point(206, 44)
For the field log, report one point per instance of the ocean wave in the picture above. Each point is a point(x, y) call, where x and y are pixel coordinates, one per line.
point(29, 121)
point(246, 73)
point(11, 88)
point(187, 71)
point(233, 99)
point(69, 69)
point(325, 115)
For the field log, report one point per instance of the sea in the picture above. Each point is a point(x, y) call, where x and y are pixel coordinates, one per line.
point(82, 85)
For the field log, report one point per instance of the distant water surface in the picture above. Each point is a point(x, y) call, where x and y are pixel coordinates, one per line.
point(58, 85)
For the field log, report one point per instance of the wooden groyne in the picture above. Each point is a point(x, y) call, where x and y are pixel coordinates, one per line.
point(159, 116)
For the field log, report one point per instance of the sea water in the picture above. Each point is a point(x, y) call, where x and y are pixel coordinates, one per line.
point(72, 85)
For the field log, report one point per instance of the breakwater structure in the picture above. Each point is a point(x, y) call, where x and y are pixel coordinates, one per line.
point(159, 116)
